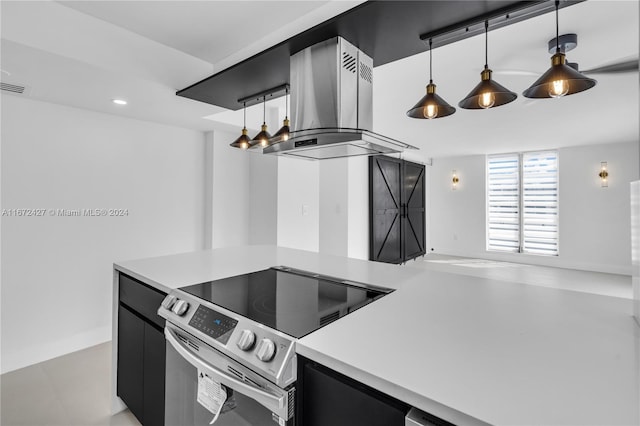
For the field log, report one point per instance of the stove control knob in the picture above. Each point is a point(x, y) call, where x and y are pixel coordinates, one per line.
point(246, 340)
point(180, 307)
point(266, 350)
point(169, 301)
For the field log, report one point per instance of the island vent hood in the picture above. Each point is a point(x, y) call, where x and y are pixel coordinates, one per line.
point(331, 86)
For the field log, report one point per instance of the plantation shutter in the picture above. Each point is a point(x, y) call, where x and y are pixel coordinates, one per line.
point(503, 205)
point(540, 203)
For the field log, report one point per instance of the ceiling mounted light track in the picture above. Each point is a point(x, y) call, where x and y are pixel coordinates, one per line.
point(488, 93)
point(431, 105)
point(243, 141)
point(561, 79)
point(262, 138)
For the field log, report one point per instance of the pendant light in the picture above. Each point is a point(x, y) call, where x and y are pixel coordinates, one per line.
point(283, 134)
point(561, 79)
point(243, 141)
point(431, 105)
point(488, 93)
point(262, 138)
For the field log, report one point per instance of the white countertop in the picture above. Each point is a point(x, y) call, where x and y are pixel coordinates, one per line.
point(169, 272)
point(467, 349)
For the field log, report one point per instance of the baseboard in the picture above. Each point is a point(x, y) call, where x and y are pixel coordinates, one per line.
point(24, 357)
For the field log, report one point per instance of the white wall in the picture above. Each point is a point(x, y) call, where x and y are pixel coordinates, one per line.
point(263, 196)
point(57, 271)
point(227, 192)
point(358, 208)
point(594, 221)
point(241, 191)
point(457, 224)
point(324, 206)
point(333, 218)
point(298, 204)
point(635, 247)
point(428, 206)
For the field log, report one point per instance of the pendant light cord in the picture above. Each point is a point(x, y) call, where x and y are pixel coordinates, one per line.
point(486, 44)
point(557, 28)
point(286, 104)
point(264, 110)
point(430, 62)
point(244, 120)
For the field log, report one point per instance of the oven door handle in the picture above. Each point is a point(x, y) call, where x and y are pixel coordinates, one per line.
point(273, 402)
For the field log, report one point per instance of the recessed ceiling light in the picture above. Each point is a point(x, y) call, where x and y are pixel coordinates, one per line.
point(119, 101)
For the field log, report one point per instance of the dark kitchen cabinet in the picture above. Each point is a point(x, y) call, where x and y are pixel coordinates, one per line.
point(130, 360)
point(326, 397)
point(154, 375)
point(141, 351)
point(396, 209)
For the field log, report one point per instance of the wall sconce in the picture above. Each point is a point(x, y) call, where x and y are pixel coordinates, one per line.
point(454, 180)
point(604, 174)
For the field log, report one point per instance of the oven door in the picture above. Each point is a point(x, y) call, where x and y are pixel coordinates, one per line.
point(251, 399)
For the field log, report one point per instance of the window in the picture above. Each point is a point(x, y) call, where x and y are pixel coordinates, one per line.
point(522, 203)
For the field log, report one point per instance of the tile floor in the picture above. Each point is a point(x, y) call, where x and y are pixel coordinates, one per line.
point(72, 390)
point(558, 278)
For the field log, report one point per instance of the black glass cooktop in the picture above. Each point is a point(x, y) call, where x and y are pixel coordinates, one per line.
point(291, 301)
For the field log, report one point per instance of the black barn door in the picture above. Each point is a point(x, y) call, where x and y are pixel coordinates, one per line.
point(414, 212)
point(397, 210)
point(385, 233)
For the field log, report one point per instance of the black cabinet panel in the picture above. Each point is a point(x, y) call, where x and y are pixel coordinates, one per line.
point(385, 231)
point(414, 215)
point(396, 209)
point(130, 361)
point(141, 298)
point(141, 351)
point(329, 398)
point(154, 375)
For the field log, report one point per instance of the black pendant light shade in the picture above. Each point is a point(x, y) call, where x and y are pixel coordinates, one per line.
point(431, 105)
point(487, 93)
point(262, 138)
point(283, 133)
point(561, 79)
point(243, 141)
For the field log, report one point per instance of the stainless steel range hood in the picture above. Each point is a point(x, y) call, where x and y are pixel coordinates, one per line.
point(331, 105)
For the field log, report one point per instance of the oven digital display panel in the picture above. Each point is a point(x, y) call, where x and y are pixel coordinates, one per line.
point(213, 324)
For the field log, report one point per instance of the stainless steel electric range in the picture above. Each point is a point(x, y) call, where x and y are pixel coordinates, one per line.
point(231, 343)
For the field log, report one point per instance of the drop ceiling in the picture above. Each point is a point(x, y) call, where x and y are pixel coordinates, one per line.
point(216, 29)
point(83, 54)
point(386, 31)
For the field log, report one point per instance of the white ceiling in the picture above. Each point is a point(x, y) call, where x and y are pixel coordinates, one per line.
point(85, 53)
point(209, 30)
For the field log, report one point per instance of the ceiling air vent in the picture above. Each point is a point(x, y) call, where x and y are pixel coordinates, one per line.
point(14, 88)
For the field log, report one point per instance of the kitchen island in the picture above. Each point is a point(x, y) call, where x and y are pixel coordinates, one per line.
point(466, 349)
